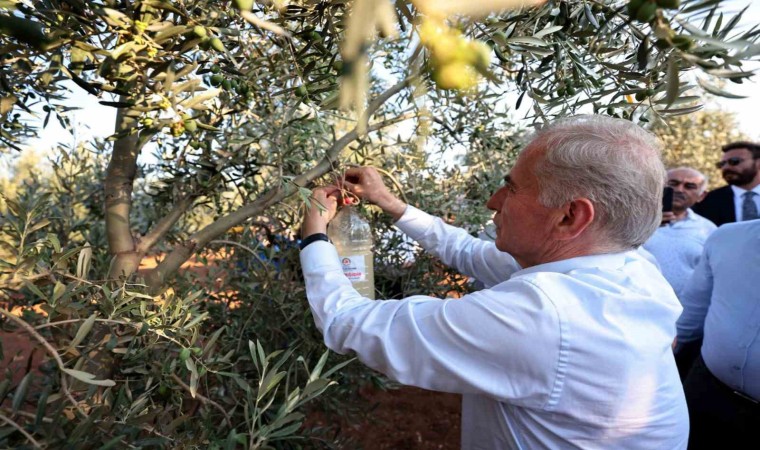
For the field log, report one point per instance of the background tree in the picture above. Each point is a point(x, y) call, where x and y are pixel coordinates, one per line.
point(695, 140)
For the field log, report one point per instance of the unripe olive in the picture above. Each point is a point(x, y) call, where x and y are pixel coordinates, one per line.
point(217, 44)
point(646, 12)
point(184, 354)
point(683, 42)
point(191, 125)
point(633, 7)
point(243, 5)
point(640, 96)
point(216, 79)
point(669, 4)
point(200, 31)
point(301, 91)
point(215, 68)
point(662, 44)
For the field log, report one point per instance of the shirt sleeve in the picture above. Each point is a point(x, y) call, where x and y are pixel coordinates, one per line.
point(502, 342)
point(696, 300)
point(456, 248)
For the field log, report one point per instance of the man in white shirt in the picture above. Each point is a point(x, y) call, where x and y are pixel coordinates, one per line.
point(721, 304)
point(677, 243)
point(569, 344)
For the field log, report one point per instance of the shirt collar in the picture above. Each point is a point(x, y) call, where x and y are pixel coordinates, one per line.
point(738, 192)
point(605, 260)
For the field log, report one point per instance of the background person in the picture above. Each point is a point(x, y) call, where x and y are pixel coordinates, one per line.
point(722, 304)
point(569, 345)
point(677, 244)
point(740, 200)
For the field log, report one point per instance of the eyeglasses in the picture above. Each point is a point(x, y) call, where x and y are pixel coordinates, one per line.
point(735, 161)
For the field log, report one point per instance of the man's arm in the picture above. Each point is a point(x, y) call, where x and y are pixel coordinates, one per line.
point(476, 344)
point(696, 300)
point(454, 246)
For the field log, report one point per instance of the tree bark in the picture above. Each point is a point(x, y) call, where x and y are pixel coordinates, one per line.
point(120, 177)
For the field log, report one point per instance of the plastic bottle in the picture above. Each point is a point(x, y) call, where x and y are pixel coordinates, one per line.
point(352, 236)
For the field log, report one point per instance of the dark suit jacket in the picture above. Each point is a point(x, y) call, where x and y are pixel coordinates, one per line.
point(718, 206)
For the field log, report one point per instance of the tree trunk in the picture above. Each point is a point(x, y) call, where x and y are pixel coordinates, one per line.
point(120, 177)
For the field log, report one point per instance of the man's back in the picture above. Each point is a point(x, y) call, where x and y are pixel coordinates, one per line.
point(616, 316)
point(573, 353)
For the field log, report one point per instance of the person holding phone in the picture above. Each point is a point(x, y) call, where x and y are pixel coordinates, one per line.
point(678, 243)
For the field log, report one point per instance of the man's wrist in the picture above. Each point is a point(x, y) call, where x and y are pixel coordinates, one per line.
point(395, 208)
point(312, 226)
point(313, 238)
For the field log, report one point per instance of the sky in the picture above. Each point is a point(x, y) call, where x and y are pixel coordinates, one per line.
point(95, 120)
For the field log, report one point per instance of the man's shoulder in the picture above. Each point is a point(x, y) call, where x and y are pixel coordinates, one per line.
point(738, 233)
point(702, 221)
point(721, 192)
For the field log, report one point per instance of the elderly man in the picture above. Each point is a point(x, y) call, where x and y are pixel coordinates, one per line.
point(569, 345)
point(722, 305)
point(677, 243)
point(740, 200)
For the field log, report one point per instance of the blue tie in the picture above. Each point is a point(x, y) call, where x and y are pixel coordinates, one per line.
point(749, 207)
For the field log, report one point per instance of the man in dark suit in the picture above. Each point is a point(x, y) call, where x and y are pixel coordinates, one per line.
point(740, 200)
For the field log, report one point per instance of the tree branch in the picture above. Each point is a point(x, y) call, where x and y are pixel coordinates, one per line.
point(20, 429)
point(202, 398)
point(156, 277)
point(164, 225)
point(49, 348)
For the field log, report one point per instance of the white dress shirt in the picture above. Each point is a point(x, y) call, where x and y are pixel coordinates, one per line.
point(677, 246)
point(569, 354)
point(739, 199)
point(722, 303)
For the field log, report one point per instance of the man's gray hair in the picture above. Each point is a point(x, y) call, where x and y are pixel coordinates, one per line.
point(696, 173)
point(612, 162)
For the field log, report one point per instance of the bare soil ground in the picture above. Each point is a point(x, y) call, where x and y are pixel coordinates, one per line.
point(407, 418)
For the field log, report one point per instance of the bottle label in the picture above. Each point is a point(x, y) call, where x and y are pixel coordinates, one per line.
point(354, 267)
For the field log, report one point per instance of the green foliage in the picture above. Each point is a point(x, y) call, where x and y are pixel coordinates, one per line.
point(126, 368)
point(695, 141)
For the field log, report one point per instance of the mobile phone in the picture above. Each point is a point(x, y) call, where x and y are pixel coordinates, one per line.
point(667, 199)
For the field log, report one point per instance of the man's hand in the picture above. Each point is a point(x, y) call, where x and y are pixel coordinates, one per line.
point(365, 182)
point(668, 217)
point(316, 219)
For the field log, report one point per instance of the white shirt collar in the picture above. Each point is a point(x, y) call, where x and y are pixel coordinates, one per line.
point(607, 260)
point(738, 192)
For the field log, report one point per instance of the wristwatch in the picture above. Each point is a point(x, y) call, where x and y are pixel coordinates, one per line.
point(313, 238)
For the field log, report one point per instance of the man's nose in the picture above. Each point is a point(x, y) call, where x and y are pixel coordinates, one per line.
point(494, 203)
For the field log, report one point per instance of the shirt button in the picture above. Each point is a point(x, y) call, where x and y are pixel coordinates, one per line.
point(736, 368)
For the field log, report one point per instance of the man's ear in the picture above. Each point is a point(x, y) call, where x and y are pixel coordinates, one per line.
point(577, 216)
point(701, 196)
